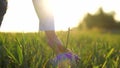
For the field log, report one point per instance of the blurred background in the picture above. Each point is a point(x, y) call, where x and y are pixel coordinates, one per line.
point(76, 14)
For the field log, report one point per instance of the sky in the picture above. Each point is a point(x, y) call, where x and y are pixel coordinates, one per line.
point(21, 16)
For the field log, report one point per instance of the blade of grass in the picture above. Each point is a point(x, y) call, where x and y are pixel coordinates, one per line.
point(11, 55)
point(108, 55)
point(19, 52)
point(20, 55)
point(110, 52)
point(104, 64)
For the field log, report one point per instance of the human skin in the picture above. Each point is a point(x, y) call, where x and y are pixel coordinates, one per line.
point(55, 43)
point(46, 21)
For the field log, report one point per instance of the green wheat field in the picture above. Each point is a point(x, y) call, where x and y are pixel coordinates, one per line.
point(30, 50)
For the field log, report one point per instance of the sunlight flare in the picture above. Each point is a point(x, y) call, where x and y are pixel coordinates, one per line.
point(67, 13)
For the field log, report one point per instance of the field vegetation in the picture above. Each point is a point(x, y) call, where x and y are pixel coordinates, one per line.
point(30, 50)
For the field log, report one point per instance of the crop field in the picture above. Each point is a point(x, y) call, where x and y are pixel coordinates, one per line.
point(30, 50)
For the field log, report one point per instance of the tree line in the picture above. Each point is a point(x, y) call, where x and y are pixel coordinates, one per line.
point(100, 20)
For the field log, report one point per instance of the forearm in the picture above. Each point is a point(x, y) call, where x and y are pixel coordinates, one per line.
point(54, 42)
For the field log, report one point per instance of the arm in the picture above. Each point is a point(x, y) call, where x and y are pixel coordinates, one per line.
point(54, 42)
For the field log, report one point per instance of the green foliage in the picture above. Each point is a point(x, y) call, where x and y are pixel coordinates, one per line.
point(30, 50)
point(101, 21)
